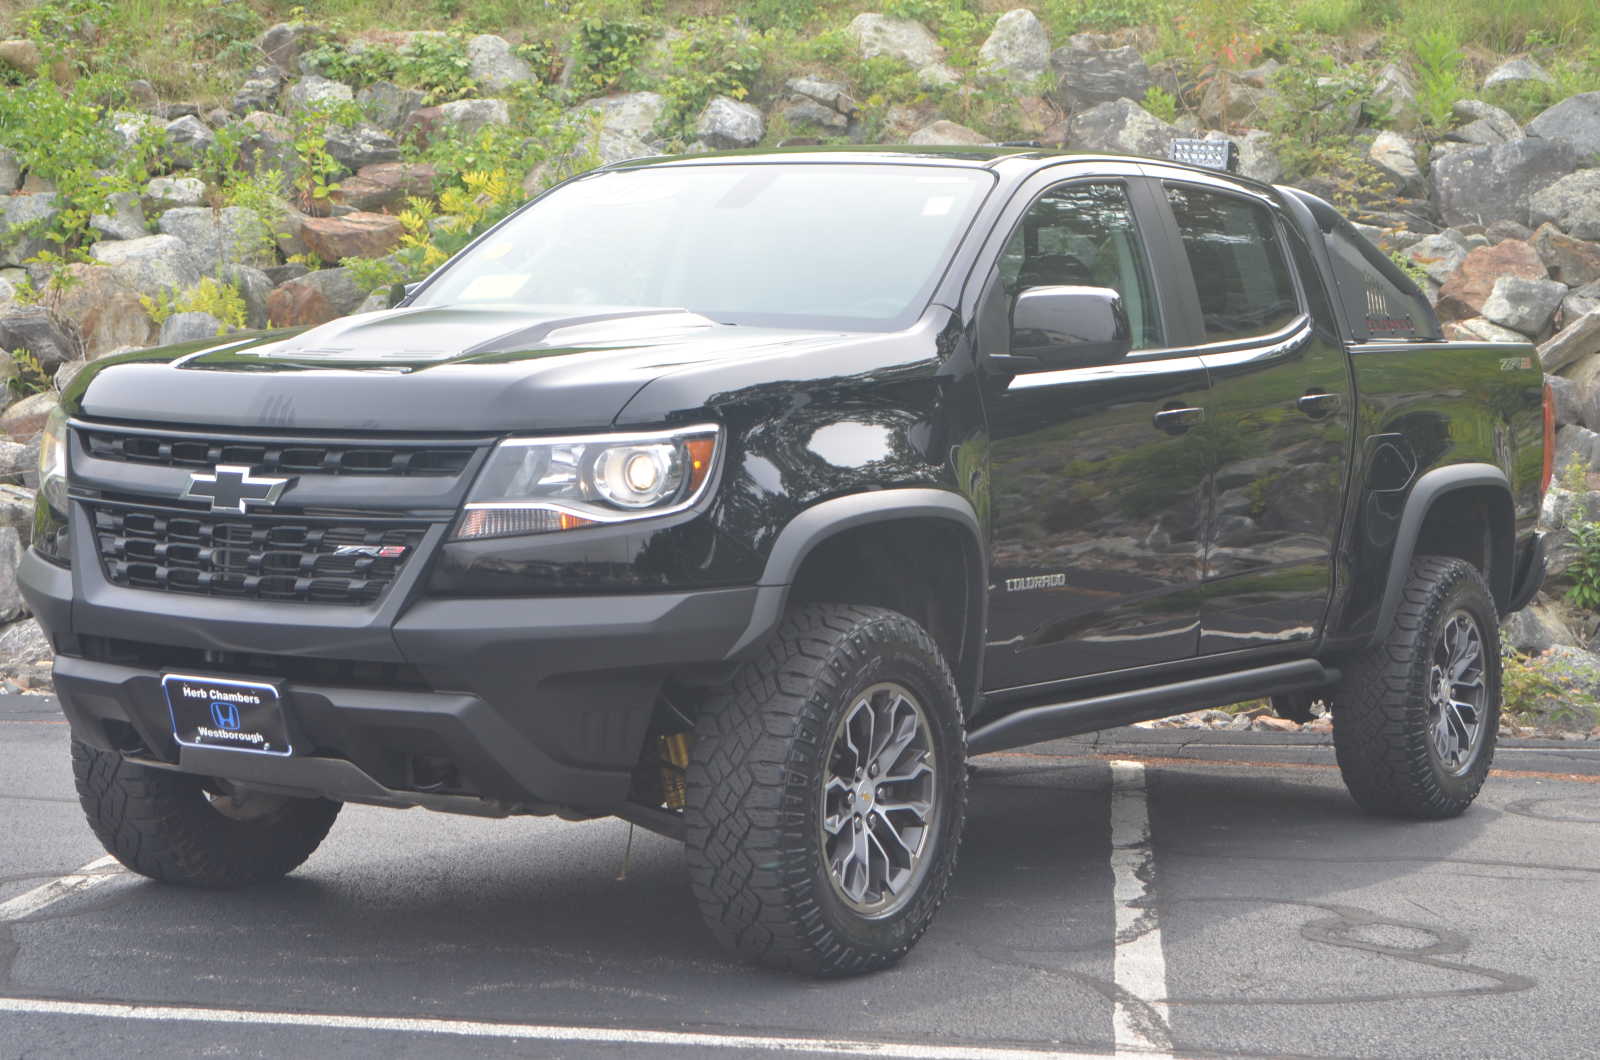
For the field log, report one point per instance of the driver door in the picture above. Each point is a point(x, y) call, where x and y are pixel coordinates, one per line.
point(1100, 476)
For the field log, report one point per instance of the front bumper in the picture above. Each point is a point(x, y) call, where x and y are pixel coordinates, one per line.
point(513, 704)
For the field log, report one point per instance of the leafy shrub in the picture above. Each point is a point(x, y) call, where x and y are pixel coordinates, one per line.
point(1550, 690)
point(713, 57)
point(605, 51)
point(1161, 103)
point(1584, 571)
point(1439, 79)
point(221, 300)
point(31, 377)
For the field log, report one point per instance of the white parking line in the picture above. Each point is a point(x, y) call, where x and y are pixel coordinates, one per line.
point(93, 874)
point(531, 1031)
point(1139, 1020)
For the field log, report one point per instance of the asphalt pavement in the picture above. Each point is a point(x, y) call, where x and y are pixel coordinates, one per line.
point(1271, 919)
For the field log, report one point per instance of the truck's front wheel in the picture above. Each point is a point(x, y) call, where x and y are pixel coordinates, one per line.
point(185, 829)
point(826, 793)
point(1415, 718)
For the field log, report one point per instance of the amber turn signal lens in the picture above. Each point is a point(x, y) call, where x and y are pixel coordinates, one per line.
point(700, 450)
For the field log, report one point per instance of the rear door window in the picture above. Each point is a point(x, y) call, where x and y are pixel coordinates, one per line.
point(1241, 271)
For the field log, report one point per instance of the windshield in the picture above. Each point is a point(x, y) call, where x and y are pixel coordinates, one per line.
point(831, 245)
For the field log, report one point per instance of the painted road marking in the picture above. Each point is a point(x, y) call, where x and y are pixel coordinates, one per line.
point(1139, 1019)
point(93, 874)
point(530, 1031)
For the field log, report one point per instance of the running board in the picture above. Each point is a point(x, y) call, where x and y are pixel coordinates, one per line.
point(1035, 724)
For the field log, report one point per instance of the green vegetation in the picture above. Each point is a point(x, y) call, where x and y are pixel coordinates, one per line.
point(221, 300)
point(1552, 690)
point(1584, 572)
point(30, 377)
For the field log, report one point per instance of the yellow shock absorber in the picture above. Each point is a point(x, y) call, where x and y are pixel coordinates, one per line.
point(674, 766)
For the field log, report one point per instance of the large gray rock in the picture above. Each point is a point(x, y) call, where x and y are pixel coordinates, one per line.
point(190, 327)
point(151, 265)
point(12, 606)
point(1575, 121)
point(253, 286)
point(493, 64)
point(388, 105)
point(1258, 157)
point(23, 643)
point(624, 126)
point(1573, 203)
point(364, 145)
point(1476, 185)
point(188, 139)
point(1018, 49)
point(313, 91)
point(106, 309)
point(123, 218)
point(1121, 127)
point(898, 38)
point(1521, 70)
point(1094, 70)
point(468, 116)
point(1524, 305)
point(946, 134)
point(727, 123)
point(258, 93)
point(130, 127)
point(164, 193)
point(1230, 100)
point(1438, 255)
point(16, 502)
point(24, 219)
point(10, 171)
point(268, 144)
point(1394, 90)
point(218, 237)
point(41, 332)
point(1535, 630)
point(1397, 158)
point(1579, 339)
point(283, 43)
point(1483, 123)
point(1577, 444)
point(1479, 329)
point(1575, 262)
point(1565, 399)
point(1580, 303)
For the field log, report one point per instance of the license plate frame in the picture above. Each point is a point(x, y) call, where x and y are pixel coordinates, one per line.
point(228, 714)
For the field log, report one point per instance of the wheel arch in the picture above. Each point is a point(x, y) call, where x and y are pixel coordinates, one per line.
point(1465, 511)
point(915, 550)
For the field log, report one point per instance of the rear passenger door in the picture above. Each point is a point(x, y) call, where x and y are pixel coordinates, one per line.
point(1098, 496)
point(1277, 418)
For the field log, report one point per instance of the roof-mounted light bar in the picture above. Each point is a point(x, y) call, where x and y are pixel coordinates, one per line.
point(1209, 154)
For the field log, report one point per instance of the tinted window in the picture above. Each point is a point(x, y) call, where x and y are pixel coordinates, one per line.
point(776, 244)
point(1238, 263)
point(1084, 235)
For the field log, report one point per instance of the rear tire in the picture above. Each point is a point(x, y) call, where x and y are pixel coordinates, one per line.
point(827, 792)
point(185, 829)
point(1415, 718)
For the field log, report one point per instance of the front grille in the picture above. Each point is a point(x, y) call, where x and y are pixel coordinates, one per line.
point(278, 456)
point(256, 558)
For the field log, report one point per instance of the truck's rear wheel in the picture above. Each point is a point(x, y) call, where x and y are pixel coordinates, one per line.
point(185, 829)
point(1415, 718)
point(826, 793)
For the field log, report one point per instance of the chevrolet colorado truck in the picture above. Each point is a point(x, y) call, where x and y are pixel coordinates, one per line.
point(745, 496)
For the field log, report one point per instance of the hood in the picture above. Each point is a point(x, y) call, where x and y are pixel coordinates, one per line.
point(446, 369)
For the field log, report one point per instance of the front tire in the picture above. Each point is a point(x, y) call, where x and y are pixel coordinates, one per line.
point(184, 829)
point(1415, 719)
point(827, 792)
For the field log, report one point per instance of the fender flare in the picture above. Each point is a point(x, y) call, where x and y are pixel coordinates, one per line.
point(1427, 491)
point(826, 519)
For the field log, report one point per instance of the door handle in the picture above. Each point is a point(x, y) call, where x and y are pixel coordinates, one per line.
point(1178, 420)
point(1317, 403)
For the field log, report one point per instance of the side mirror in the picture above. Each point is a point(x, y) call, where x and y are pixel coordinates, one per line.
point(401, 291)
point(1066, 327)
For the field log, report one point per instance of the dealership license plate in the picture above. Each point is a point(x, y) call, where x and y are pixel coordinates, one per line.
point(236, 715)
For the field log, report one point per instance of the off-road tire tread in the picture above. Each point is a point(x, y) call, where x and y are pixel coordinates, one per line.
point(746, 848)
point(159, 824)
point(1380, 735)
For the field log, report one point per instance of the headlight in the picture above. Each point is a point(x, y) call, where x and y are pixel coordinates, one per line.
point(50, 505)
point(540, 485)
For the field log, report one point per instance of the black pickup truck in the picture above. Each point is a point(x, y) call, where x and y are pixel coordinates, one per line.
point(745, 496)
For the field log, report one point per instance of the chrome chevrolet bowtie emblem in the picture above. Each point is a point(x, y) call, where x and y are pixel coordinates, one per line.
point(232, 488)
